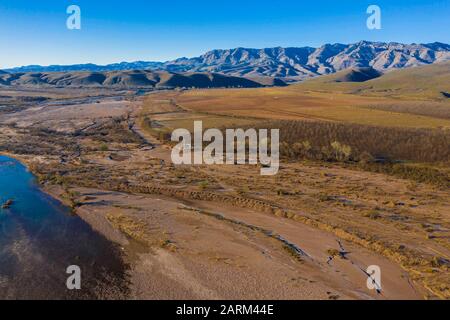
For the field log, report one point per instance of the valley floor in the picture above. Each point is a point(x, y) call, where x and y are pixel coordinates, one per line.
point(225, 232)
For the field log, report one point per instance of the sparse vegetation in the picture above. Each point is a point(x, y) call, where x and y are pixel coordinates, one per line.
point(333, 253)
point(104, 147)
point(373, 214)
point(203, 185)
point(327, 179)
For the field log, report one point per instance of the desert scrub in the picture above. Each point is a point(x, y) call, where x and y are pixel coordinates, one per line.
point(72, 198)
point(103, 147)
point(325, 197)
point(203, 185)
point(422, 174)
point(134, 230)
point(243, 190)
point(168, 244)
point(341, 152)
point(373, 214)
point(333, 253)
point(117, 130)
point(283, 192)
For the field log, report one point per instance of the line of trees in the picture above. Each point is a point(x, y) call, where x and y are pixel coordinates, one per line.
point(351, 142)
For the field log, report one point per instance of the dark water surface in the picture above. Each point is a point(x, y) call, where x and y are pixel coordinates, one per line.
point(40, 238)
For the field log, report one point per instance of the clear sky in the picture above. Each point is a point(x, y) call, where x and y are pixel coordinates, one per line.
point(34, 31)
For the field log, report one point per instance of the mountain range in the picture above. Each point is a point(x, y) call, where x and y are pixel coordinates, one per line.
point(286, 63)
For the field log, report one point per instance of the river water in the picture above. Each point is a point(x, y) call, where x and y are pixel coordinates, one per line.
point(40, 238)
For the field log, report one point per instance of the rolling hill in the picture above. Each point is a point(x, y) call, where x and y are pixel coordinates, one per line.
point(355, 75)
point(122, 66)
point(425, 82)
point(127, 79)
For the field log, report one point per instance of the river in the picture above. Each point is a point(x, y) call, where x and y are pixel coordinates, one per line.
point(40, 238)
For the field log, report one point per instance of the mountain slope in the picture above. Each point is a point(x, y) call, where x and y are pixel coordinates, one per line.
point(355, 75)
point(301, 63)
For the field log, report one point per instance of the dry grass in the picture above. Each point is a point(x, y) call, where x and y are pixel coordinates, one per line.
point(415, 84)
point(435, 109)
point(292, 103)
point(139, 231)
point(161, 114)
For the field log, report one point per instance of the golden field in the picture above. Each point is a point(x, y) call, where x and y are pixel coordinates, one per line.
point(293, 103)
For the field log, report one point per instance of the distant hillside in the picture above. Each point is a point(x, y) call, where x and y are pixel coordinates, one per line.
point(289, 64)
point(355, 75)
point(431, 81)
point(129, 79)
point(122, 66)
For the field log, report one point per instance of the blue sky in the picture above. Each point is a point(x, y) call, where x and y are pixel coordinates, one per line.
point(34, 31)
